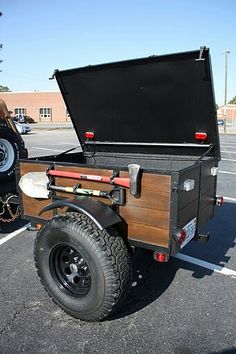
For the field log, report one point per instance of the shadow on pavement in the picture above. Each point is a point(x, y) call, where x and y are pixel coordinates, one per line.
point(151, 280)
point(222, 231)
point(6, 228)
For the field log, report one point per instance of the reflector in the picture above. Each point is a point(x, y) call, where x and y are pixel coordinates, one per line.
point(200, 136)
point(180, 236)
point(89, 135)
point(160, 257)
point(219, 200)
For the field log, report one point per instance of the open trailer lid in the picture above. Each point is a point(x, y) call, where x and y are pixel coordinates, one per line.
point(158, 101)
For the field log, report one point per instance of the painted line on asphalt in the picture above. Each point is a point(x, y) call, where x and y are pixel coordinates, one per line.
point(228, 160)
point(229, 152)
point(181, 256)
point(13, 234)
point(72, 144)
point(229, 199)
point(40, 148)
point(207, 265)
point(227, 172)
point(228, 146)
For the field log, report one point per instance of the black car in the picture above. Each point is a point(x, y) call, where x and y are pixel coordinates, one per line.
point(23, 119)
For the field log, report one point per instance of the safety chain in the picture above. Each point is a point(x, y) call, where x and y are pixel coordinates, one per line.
point(7, 207)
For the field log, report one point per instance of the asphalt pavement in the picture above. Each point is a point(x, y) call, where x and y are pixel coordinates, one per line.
point(176, 307)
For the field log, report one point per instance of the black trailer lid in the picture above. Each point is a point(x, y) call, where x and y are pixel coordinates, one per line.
point(154, 101)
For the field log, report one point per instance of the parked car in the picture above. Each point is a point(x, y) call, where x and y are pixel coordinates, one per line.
point(23, 119)
point(23, 128)
point(220, 122)
point(29, 119)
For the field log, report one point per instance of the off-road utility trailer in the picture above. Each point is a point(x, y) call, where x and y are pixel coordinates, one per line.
point(12, 147)
point(146, 176)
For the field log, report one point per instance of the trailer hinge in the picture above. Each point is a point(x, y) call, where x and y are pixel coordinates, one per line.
point(53, 74)
point(201, 54)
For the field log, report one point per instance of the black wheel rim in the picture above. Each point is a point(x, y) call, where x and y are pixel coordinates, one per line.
point(70, 270)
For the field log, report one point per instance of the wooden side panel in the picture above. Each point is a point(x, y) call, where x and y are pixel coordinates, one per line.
point(148, 216)
point(32, 206)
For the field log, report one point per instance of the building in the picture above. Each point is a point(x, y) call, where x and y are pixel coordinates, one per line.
point(43, 107)
point(49, 107)
point(230, 113)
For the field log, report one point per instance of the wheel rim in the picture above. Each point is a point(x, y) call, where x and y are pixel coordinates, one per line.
point(70, 270)
point(7, 155)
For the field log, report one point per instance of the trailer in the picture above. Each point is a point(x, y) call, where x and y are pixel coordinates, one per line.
point(146, 177)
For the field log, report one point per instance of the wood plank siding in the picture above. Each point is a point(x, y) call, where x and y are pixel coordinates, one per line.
point(147, 216)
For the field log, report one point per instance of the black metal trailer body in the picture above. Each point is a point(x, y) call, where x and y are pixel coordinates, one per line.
point(149, 124)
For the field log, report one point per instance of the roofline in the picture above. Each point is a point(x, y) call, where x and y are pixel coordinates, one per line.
point(229, 105)
point(10, 92)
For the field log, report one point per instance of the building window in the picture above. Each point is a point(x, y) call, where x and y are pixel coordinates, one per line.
point(20, 112)
point(45, 113)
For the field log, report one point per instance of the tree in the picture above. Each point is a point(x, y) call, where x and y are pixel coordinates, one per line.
point(4, 89)
point(233, 101)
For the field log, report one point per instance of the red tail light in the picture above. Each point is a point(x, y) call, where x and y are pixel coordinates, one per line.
point(160, 257)
point(180, 236)
point(219, 200)
point(89, 135)
point(200, 136)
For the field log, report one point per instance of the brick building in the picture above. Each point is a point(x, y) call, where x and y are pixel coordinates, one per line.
point(48, 107)
point(41, 106)
point(230, 113)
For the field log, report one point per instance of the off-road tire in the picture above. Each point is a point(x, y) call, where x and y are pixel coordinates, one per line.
point(105, 255)
point(11, 149)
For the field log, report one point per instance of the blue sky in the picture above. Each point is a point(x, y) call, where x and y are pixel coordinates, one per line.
point(40, 36)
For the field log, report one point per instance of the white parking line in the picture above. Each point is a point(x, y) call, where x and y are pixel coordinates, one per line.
point(40, 148)
point(227, 173)
point(229, 199)
point(228, 160)
point(72, 144)
point(181, 256)
point(228, 146)
point(207, 265)
point(13, 234)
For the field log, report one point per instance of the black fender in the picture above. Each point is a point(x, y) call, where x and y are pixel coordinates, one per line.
point(101, 214)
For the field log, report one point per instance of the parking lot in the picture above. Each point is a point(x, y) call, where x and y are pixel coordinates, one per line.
point(184, 306)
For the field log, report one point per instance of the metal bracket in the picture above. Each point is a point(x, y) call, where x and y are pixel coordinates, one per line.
point(175, 187)
point(201, 54)
point(53, 75)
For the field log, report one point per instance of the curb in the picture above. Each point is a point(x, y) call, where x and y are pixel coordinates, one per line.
point(55, 126)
